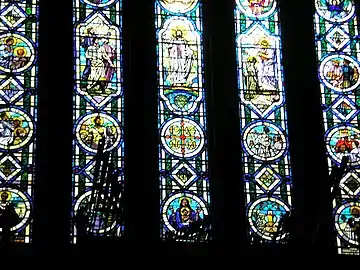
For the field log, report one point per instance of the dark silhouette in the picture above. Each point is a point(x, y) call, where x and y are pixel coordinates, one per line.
point(104, 208)
point(354, 222)
point(285, 226)
point(8, 219)
point(198, 232)
point(337, 173)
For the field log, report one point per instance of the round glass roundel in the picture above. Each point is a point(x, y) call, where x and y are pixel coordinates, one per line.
point(347, 218)
point(178, 6)
point(181, 209)
point(344, 141)
point(100, 3)
point(264, 216)
point(182, 137)
point(257, 8)
point(335, 10)
point(16, 129)
point(93, 127)
point(340, 73)
point(264, 141)
point(17, 53)
point(101, 223)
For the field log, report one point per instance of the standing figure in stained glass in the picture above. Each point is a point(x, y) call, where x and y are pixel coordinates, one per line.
point(181, 59)
point(88, 41)
point(184, 216)
point(6, 130)
point(8, 216)
point(335, 74)
point(100, 56)
point(354, 221)
point(109, 57)
point(267, 71)
point(350, 75)
point(263, 143)
point(336, 7)
point(97, 72)
point(252, 78)
point(7, 52)
point(257, 6)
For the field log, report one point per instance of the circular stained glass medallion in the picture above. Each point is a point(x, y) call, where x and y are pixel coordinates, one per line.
point(17, 53)
point(264, 141)
point(92, 128)
point(335, 10)
point(16, 129)
point(182, 137)
point(344, 141)
point(264, 216)
point(257, 8)
point(100, 220)
point(100, 3)
point(19, 203)
point(178, 6)
point(181, 209)
point(340, 73)
point(347, 219)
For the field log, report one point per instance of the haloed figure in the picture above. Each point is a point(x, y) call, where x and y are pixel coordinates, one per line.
point(183, 216)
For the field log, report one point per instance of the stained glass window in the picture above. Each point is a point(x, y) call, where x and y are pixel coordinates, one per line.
point(336, 28)
point(98, 100)
point(263, 117)
point(183, 154)
point(18, 111)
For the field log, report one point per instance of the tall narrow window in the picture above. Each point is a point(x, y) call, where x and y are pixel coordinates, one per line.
point(98, 101)
point(183, 154)
point(18, 110)
point(266, 161)
point(338, 52)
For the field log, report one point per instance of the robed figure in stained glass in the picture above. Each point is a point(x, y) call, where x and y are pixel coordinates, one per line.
point(100, 56)
point(257, 6)
point(184, 216)
point(8, 217)
point(335, 7)
point(181, 58)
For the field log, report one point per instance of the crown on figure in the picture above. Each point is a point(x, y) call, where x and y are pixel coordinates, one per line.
point(344, 133)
